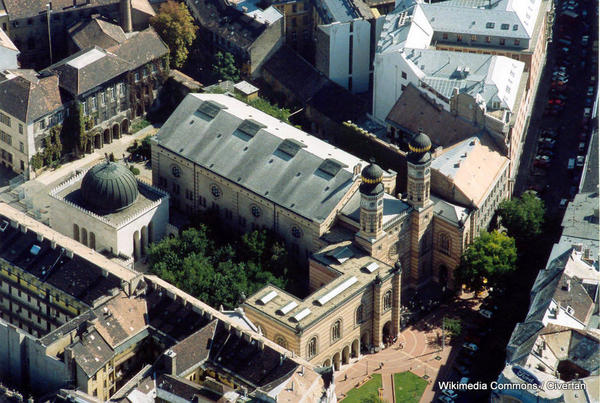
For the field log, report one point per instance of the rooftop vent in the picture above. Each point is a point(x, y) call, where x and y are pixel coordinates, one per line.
point(371, 267)
point(210, 109)
point(336, 291)
point(301, 315)
point(287, 308)
point(268, 297)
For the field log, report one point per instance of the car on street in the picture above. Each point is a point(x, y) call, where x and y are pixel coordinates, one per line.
point(445, 399)
point(485, 313)
point(450, 393)
point(587, 112)
point(546, 152)
point(583, 136)
point(590, 91)
point(581, 147)
point(470, 346)
point(563, 203)
point(580, 160)
point(547, 140)
point(585, 40)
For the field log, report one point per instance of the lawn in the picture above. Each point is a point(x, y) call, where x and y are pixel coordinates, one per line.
point(408, 387)
point(365, 392)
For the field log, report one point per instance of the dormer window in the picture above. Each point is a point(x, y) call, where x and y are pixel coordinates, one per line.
point(504, 27)
point(490, 25)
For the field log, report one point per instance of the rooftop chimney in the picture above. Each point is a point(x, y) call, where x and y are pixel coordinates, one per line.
point(126, 15)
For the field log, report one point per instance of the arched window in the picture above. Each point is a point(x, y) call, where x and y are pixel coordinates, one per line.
point(444, 243)
point(387, 300)
point(76, 232)
point(359, 314)
point(336, 330)
point(281, 341)
point(311, 349)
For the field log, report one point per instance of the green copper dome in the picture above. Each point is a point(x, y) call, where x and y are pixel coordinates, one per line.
point(109, 187)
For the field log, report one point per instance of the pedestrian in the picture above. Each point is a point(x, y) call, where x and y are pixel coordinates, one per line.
point(345, 377)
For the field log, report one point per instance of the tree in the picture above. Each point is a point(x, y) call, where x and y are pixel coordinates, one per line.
point(224, 67)
point(452, 326)
point(523, 218)
point(213, 271)
point(175, 25)
point(487, 261)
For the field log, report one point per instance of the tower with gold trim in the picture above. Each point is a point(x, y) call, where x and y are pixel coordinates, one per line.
point(371, 202)
point(418, 164)
point(418, 185)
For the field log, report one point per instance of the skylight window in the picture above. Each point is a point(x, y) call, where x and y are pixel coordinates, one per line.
point(371, 267)
point(301, 315)
point(3, 225)
point(284, 310)
point(35, 250)
point(329, 168)
point(515, 27)
point(341, 254)
point(289, 148)
point(209, 109)
point(250, 127)
point(505, 27)
point(268, 297)
point(490, 25)
point(337, 291)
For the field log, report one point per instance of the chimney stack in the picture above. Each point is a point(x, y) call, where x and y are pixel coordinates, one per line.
point(126, 15)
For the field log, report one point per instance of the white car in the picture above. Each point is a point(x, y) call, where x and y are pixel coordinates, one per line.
point(485, 313)
point(580, 160)
point(470, 346)
point(450, 393)
point(563, 203)
point(590, 91)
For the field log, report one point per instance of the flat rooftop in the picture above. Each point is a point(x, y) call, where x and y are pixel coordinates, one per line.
point(356, 270)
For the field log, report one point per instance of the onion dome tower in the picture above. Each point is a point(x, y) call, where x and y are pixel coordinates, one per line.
point(419, 162)
point(371, 201)
point(108, 187)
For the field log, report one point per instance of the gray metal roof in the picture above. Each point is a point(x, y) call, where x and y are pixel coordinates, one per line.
point(474, 21)
point(451, 212)
point(278, 162)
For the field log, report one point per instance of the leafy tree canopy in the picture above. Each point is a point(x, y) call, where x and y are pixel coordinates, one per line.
point(453, 326)
point(220, 273)
point(487, 261)
point(523, 217)
point(175, 25)
point(224, 67)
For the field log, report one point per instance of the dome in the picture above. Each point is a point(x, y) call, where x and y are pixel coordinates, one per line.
point(372, 173)
point(420, 143)
point(109, 187)
point(371, 178)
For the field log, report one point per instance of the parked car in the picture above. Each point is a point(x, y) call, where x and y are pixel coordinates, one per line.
point(581, 147)
point(547, 140)
point(462, 369)
point(470, 346)
point(571, 163)
point(563, 203)
point(445, 399)
point(580, 160)
point(585, 40)
point(543, 158)
point(450, 393)
point(590, 91)
point(587, 112)
point(545, 151)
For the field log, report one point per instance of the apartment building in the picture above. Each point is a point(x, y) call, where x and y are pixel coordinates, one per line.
point(73, 319)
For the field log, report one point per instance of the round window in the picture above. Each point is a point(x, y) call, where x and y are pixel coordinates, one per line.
point(255, 211)
point(216, 192)
point(296, 232)
point(176, 171)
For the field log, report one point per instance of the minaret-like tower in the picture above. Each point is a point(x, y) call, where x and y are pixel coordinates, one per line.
point(418, 184)
point(126, 23)
point(418, 180)
point(371, 202)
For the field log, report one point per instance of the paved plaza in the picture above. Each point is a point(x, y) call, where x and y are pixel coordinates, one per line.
point(415, 350)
